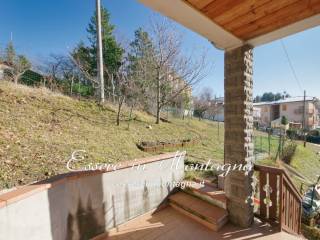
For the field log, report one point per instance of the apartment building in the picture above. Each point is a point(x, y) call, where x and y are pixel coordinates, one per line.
point(292, 109)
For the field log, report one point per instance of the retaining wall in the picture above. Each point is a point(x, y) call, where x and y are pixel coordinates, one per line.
point(85, 204)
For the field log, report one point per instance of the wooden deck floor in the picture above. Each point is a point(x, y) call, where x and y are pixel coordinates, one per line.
point(168, 224)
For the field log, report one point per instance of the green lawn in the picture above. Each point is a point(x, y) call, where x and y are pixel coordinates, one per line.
point(305, 161)
point(264, 144)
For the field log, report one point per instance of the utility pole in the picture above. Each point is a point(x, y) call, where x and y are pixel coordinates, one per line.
point(304, 119)
point(100, 51)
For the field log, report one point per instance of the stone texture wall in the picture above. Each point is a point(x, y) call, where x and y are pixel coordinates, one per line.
point(239, 132)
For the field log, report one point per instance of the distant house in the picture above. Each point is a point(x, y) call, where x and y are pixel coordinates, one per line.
point(292, 109)
point(216, 111)
point(183, 103)
point(256, 116)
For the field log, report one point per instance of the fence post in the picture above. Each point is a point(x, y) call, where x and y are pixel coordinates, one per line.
point(279, 148)
point(218, 131)
point(282, 145)
point(269, 143)
point(254, 148)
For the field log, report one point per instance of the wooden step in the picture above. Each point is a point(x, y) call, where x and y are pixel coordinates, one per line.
point(203, 212)
point(207, 192)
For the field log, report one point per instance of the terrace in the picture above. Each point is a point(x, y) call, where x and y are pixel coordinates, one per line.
point(124, 211)
point(170, 224)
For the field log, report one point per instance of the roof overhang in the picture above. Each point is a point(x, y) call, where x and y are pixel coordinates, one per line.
point(219, 27)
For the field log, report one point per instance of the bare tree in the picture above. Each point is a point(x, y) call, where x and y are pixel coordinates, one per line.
point(70, 72)
point(125, 89)
point(52, 70)
point(175, 71)
point(202, 103)
point(215, 108)
point(19, 67)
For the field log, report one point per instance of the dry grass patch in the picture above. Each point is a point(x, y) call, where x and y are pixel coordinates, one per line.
point(40, 129)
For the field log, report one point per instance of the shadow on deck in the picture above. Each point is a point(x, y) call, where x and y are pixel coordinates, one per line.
point(169, 224)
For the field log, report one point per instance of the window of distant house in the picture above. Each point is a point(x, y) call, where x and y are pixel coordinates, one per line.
point(284, 107)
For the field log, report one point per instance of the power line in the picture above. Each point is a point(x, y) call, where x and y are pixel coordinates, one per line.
point(290, 64)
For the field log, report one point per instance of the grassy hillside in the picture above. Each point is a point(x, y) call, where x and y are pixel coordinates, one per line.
point(39, 130)
point(305, 163)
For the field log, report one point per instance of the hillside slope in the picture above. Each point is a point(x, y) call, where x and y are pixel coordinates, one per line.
point(39, 130)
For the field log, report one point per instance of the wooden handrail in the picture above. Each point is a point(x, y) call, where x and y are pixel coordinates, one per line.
point(292, 186)
point(278, 171)
point(286, 208)
point(267, 168)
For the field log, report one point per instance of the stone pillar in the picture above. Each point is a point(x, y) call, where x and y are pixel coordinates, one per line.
point(238, 144)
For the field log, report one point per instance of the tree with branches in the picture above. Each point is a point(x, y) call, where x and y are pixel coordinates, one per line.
point(175, 72)
point(19, 64)
point(202, 103)
point(141, 67)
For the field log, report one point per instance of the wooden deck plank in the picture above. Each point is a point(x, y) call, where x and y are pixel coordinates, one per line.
point(153, 226)
point(207, 190)
point(206, 210)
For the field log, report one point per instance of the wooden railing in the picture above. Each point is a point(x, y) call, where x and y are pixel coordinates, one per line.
point(279, 200)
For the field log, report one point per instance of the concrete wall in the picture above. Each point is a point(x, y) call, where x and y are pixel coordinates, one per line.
point(84, 205)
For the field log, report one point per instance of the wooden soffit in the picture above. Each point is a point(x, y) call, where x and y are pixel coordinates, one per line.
point(232, 23)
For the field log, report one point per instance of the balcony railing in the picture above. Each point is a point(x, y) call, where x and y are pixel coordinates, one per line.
point(279, 201)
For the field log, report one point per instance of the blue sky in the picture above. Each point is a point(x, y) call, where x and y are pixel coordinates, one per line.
point(44, 27)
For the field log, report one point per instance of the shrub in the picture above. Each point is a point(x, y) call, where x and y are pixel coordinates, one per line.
point(31, 78)
point(288, 152)
point(83, 90)
point(292, 133)
point(284, 120)
point(311, 232)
